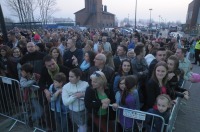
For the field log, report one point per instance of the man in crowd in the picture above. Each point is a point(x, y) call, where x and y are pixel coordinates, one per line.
point(13, 42)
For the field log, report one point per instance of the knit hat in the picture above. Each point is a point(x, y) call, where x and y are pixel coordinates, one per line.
point(37, 37)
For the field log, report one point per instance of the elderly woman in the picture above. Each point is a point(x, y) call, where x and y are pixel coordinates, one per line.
point(97, 100)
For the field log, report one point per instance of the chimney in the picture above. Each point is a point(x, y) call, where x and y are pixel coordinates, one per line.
point(105, 8)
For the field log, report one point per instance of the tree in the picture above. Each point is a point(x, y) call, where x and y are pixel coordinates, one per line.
point(23, 9)
point(46, 8)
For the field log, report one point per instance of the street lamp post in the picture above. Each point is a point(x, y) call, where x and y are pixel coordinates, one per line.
point(135, 14)
point(150, 19)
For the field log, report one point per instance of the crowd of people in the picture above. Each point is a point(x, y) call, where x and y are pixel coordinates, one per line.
point(91, 69)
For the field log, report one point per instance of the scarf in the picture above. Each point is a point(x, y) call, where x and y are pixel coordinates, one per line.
point(85, 65)
point(52, 74)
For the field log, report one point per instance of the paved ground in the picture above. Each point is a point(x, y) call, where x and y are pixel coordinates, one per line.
point(188, 119)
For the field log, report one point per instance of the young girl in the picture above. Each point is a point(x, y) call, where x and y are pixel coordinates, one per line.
point(173, 78)
point(157, 84)
point(56, 102)
point(130, 100)
point(163, 103)
point(124, 70)
point(71, 96)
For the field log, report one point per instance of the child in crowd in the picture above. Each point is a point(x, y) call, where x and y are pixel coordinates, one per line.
point(163, 105)
point(71, 96)
point(27, 80)
point(56, 102)
point(127, 97)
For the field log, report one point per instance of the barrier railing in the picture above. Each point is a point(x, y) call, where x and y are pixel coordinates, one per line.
point(174, 112)
point(35, 111)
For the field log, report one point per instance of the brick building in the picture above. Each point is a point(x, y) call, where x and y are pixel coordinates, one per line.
point(193, 14)
point(94, 15)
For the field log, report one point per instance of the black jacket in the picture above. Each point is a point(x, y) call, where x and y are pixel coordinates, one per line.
point(93, 103)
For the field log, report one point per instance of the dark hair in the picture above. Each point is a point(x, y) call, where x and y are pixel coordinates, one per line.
point(59, 59)
point(27, 67)
point(176, 61)
point(47, 58)
point(124, 47)
point(138, 49)
point(130, 83)
point(160, 49)
point(12, 33)
point(60, 77)
point(91, 55)
point(161, 63)
point(169, 53)
point(121, 78)
point(15, 48)
point(120, 71)
point(77, 72)
point(7, 49)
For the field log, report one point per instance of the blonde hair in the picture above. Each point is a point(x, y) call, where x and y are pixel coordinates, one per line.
point(100, 77)
point(165, 97)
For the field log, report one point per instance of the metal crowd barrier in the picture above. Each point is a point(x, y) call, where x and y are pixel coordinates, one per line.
point(174, 112)
point(37, 113)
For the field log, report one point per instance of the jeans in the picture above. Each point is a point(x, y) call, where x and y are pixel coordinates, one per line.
point(38, 111)
point(61, 122)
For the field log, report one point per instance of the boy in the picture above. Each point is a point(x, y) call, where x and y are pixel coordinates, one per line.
point(162, 108)
point(27, 80)
point(56, 102)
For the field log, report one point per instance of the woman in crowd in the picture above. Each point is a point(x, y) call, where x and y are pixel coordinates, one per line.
point(156, 85)
point(71, 94)
point(174, 74)
point(4, 55)
point(97, 100)
point(128, 99)
point(55, 53)
point(124, 70)
point(13, 63)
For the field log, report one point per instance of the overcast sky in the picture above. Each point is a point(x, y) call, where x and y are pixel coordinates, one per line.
point(169, 10)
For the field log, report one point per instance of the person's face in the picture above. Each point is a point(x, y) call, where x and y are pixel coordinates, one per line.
point(179, 54)
point(86, 57)
point(131, 54)
point(122, 85)
point(170, 64)
point(161, 55)
point(95, 83)
point(95, 38)
point(104, 39)
point(31, 47)
point(120, 51)
point(69, 44)
point(16, 53)
point(135, 40)
point(126, 67)
point(162, 105)
point(150, 47)
point(57, 84)
point(55, 53)
point(23, 73)
point(143, 52)
point(161, 72)
point(72, 78)
point(87, 47)
point(51, 65)
point(98, 60)
point(3, 52)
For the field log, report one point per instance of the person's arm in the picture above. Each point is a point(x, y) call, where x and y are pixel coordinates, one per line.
point(56, 94)
point(66, 97)
point(151, 94)
point(116, 82)
point(26, 83)
point(90, 102)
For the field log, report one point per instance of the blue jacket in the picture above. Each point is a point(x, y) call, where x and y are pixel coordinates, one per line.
point(56, 102)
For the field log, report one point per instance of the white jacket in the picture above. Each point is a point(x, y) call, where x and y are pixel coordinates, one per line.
point(69, 90)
